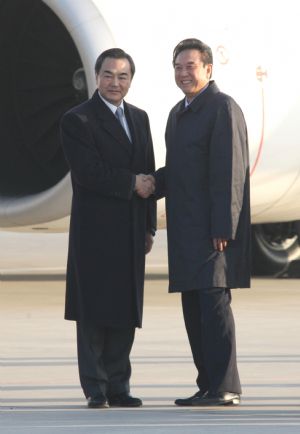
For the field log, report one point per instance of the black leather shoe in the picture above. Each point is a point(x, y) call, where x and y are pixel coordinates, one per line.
point(192, 400)
point(124, 400)
point(222, 398)
point(98, 401)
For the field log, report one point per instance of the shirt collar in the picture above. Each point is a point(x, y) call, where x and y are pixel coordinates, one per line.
point(111, 106)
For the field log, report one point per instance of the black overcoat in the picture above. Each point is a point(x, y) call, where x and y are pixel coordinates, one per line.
point(106, 257)
point(206, 184)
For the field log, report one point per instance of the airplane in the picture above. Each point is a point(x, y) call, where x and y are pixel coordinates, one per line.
point(48, 50)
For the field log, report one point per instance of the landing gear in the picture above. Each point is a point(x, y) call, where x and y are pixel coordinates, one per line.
point(275, 247)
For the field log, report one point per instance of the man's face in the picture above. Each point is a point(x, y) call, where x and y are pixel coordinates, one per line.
point(191, 75)
point(114, 79)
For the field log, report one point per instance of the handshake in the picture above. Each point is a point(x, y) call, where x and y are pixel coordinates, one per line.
point(144, 185)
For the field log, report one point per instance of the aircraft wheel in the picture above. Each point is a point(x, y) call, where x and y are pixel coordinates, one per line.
point(272, 253)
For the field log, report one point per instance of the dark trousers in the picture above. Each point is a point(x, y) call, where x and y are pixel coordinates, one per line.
point(211, 331)
point(103, 359)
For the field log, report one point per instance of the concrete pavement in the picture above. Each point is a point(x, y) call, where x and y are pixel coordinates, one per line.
point(40, 392)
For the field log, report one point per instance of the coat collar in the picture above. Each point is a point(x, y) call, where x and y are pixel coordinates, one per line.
point(110, 123)
point(199, 101)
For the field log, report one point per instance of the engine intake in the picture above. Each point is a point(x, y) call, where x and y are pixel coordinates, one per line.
point(48, 49)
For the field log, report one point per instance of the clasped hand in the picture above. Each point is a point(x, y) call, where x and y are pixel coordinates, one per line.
point(144, 185)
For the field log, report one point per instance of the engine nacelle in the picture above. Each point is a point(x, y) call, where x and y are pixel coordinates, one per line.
point(48, 50)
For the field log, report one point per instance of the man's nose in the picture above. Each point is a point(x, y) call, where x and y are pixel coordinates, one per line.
point(182, 72)
point(115, 81)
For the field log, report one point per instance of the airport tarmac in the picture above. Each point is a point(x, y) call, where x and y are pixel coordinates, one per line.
point(24, 254)
point(40, 391)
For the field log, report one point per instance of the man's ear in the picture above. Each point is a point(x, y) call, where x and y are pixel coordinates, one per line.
point(209, 70)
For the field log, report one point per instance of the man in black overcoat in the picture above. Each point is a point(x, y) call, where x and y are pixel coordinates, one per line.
point(107, 142)
point(206, 185)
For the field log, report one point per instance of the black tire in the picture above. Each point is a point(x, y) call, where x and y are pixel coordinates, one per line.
point(270, 256)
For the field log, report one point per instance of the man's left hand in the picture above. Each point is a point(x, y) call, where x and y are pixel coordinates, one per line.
point(220, 244)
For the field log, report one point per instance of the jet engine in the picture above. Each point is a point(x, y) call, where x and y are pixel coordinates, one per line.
point(48, 50)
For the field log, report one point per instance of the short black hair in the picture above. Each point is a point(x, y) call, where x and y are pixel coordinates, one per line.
point(194, 44)
point(114, 53)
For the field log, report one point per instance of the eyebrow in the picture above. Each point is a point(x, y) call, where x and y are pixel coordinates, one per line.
point(106, 71)
point(191, 62)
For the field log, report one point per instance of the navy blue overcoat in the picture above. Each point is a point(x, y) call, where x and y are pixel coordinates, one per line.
point(106, 259)
point(206, 185)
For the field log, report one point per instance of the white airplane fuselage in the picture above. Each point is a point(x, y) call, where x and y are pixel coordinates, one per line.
point(255, 49)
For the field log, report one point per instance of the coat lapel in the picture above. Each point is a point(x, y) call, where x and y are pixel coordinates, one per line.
point(199, 102)
point(138, 142)
point(132, 123)
point(109, 122)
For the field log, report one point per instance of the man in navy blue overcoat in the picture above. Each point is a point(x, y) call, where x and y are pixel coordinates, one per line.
point(206, 185)
point(107, 143)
